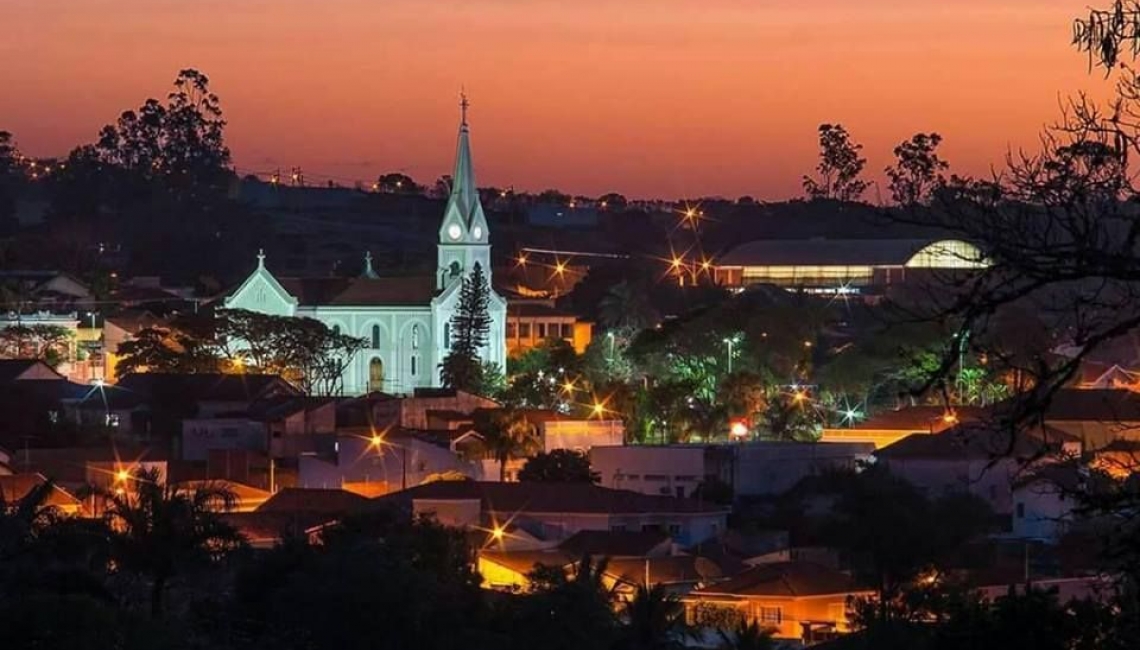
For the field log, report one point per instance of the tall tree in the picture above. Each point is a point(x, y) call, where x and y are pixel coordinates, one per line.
point(840, 167)
point(179, 144)
point(917, 171)
point(11, 179)
point(162, 531)
point(462, 368)
point(506, 434)
point(397, 183)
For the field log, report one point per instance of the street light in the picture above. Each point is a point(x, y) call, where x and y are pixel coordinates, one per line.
point(610, 336)
point(377, 442)
point(729, 342)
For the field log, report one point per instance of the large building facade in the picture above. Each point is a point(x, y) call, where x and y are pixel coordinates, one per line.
point(405, 321)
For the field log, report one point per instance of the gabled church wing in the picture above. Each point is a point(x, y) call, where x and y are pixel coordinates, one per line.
point(261, 292)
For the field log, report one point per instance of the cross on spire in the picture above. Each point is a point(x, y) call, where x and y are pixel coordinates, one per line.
point(463, 105)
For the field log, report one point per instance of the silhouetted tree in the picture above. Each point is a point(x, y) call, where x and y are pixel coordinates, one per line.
point(839, 167)
point(917, 171)
point(654, 620)
point(397, 183)
point(506, 434)
point(558, 466)
point(161, 531)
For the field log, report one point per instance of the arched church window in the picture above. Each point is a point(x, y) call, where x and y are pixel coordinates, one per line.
point(375, 337)
point(455, 269)
point(415, 337)
point(447, 336)
point(413, 365)
point(336, 329)
point(375, 375)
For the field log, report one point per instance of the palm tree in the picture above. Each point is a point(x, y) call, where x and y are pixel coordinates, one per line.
point(655, 620)
point(747, 636)
point(506, 434)
point(23, 520)
point(160, 530)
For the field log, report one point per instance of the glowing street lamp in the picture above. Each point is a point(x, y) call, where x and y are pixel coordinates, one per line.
point(730, 342)
point(738, 429)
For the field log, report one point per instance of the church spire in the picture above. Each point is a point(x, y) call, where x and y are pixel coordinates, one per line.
point(464, 193)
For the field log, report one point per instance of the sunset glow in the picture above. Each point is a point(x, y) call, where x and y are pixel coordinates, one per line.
point(646, 97)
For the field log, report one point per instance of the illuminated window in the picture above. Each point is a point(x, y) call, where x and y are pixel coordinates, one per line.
point(524, 330)
point(948, 254)
point(771, 616)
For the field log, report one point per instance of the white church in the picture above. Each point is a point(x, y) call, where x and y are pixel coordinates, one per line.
point(405, 320)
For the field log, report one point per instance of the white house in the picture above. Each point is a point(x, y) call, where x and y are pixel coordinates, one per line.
point(751, 469)
point(405, 320)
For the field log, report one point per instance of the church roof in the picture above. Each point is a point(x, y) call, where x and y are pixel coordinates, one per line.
point(404, 290)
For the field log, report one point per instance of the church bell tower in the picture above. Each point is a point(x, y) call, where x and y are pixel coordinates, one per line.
point(464, 238)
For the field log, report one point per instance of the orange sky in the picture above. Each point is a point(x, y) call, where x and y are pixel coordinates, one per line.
point(647, 97)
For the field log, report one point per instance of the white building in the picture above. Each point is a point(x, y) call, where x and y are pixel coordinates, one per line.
point(405, 320)
point(750, 469)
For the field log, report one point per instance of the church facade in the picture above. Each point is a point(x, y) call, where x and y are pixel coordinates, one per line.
point(405, 321)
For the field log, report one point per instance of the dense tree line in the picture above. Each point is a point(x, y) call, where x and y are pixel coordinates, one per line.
point(301, 350)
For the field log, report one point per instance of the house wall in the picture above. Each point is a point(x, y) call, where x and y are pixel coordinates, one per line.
point(769, 468)
point(1098, 433)
point(357, 460)
point(1040, 511)
point(878, 437)
point(784, 615)
point(497, 576)
point(453, 512)
point(413, 410)
point(199, 436)
point(581, 435)
point(657, 470)
point(990, 480)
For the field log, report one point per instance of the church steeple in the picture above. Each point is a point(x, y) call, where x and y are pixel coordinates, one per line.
point(463, 234)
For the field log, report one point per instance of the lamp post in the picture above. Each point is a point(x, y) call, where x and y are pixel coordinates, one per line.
point(610, 336)
point(378, 443)
point(729, 342)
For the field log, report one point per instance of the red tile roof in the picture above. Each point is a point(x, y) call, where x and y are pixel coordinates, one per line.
point(1097, 405)
point(311, 500)
point(919, 418)
point(17, 486)
point(410, 290)
point(610, 543)
point(784, 580)
point(553, 498)
point(269, 527)
point(976, 440)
